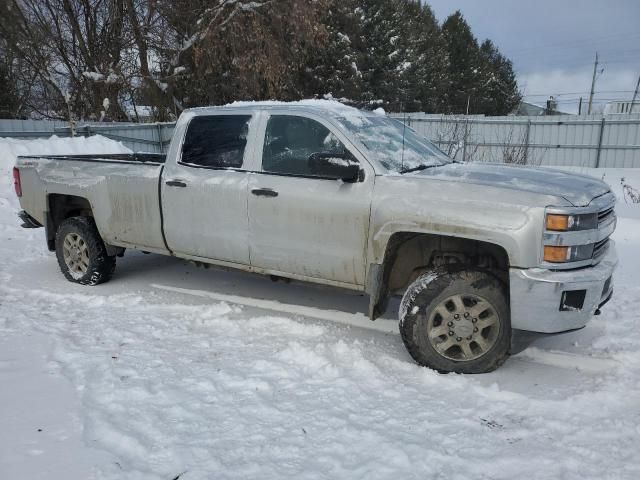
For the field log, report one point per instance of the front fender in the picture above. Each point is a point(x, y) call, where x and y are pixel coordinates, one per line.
point(510, 219)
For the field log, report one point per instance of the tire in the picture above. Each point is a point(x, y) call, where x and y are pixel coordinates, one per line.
point(81, 253)
point(456, 321)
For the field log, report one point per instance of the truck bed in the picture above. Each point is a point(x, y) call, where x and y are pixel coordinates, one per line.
point(122, 190)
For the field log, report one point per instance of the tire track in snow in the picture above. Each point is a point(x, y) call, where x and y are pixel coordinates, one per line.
point(354, 320)
point(572, 361)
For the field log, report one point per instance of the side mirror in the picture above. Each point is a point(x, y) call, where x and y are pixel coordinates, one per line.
point(340, 166)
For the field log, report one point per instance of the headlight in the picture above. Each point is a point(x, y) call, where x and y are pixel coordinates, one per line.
point(575, 253)
point(571, 223)
point(559, 223)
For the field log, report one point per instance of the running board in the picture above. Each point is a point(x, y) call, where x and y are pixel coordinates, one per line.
point(28, 221)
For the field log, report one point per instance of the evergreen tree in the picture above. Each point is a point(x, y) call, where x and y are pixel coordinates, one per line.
point(479, 76)
point(332, 68)
point(501, 86)
point(381, 51)
point(425, 76)
point(465, 66)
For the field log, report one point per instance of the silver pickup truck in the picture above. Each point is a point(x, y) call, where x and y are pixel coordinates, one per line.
point(320, 192)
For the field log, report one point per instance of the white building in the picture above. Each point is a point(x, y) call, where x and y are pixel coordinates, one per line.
point(622, 107)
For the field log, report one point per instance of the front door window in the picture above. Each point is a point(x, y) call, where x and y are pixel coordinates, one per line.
point(290, 142)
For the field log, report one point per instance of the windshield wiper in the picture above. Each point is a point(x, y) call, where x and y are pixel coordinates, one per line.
point(419, 167)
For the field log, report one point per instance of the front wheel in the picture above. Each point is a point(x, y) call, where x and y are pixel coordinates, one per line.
point(81, 253)
point(456, 321)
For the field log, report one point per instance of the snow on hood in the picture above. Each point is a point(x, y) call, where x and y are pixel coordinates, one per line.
point(577, 189)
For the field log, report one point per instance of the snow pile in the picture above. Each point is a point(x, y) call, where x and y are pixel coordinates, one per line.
point(10, 148)
point(172, 384)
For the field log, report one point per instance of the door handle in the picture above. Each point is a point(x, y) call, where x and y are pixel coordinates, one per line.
point(176, 183)
point(264, 192)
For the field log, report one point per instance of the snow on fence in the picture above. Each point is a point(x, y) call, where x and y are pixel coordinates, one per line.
point(567, 140)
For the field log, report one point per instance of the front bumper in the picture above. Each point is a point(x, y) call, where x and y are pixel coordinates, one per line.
point(549, 301)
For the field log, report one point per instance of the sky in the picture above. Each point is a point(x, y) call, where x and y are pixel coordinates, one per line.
point(553, 43)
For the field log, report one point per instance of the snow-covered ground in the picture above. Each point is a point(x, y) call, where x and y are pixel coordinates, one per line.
point(172, 371)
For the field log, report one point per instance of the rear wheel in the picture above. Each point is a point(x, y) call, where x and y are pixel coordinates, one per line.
point(82, 255)
point(456, 321)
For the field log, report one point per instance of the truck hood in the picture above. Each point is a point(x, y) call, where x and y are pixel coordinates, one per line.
point(577, 189)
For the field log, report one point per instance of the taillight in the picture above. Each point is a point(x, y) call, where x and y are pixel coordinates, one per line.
point(16, 182)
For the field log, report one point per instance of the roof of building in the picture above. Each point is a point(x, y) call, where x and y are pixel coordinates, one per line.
point(532, 110)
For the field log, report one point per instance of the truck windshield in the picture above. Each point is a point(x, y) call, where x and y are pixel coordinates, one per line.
point(382, 136)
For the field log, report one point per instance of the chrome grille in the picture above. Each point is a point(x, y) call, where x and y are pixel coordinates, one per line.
point(604, 215)
point(600, 248)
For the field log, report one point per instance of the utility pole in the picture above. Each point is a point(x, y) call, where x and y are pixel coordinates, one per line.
point(593, 84)
point(580, 107)
point(635, 95)
point(466, 126)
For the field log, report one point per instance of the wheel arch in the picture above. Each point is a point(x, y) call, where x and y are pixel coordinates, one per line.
point(59, 208)
point(409, 254)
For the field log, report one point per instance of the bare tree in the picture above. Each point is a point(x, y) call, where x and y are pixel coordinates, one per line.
point(74, 49)
point(630, 194)
point(81, 52)
point(458, 138)
point(455, 137)
point(515, 149)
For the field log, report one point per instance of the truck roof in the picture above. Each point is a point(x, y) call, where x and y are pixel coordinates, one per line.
point(323, 107)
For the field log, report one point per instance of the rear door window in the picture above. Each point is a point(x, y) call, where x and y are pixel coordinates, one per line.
point(216, 141)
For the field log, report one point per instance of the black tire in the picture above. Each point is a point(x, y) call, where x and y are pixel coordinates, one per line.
point(427, 307)
point(99, 265)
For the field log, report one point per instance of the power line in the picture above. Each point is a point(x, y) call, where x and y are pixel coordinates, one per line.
point(578, 43)
point(575, 93)
point(555, 52)
point(565, 61)
point(562, 60)
point(571, 61)
point(613, 52)
point(609, 99)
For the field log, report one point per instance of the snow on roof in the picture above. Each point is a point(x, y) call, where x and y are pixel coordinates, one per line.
point(332, 107)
